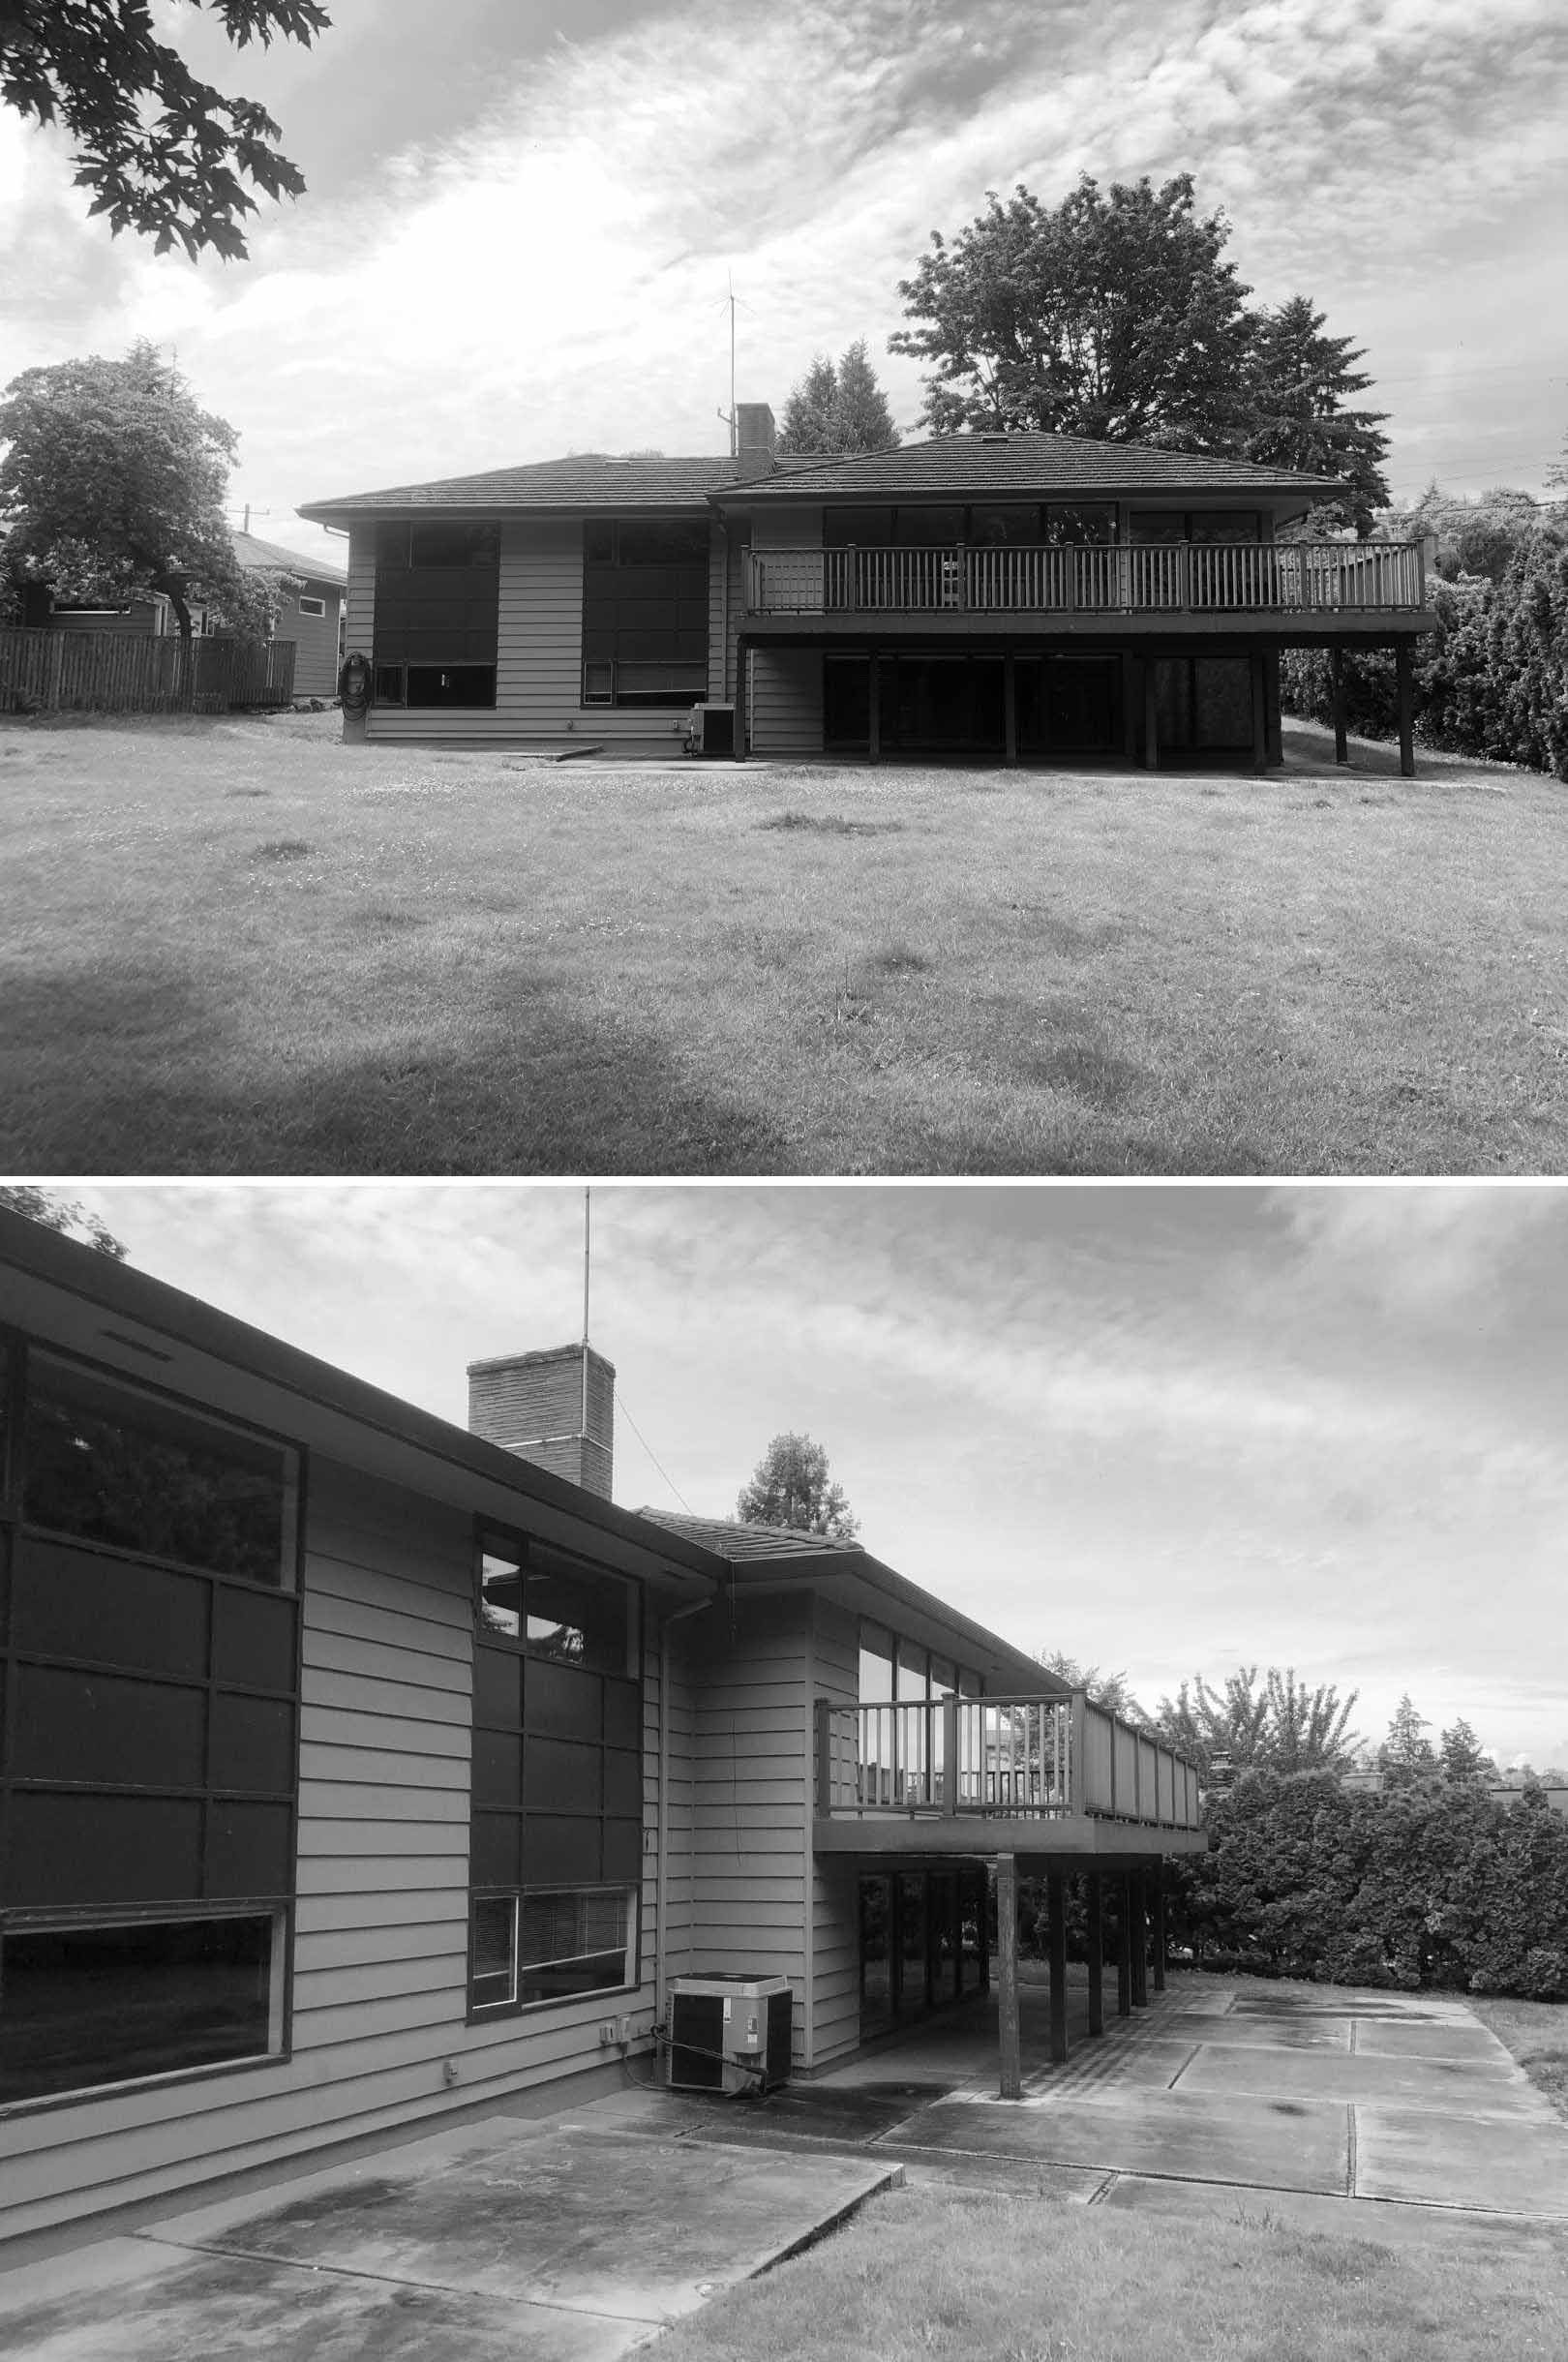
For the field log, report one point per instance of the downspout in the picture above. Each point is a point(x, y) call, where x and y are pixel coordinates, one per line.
point(660, 1975)
point(724, 609)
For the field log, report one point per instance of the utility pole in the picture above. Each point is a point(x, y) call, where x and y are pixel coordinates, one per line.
point(729, 416)
point(586, 1267)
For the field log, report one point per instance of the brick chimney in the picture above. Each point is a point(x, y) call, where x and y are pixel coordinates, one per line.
point(756, 436)
point(533, 1404)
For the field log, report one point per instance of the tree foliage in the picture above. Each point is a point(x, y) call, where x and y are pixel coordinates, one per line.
point(1406, 1753)
point(837, 411)
point(164, 154)
point(1492, 679)
point(1430, 1883)
point(1115, 316)
point(62, 1214)
point(115, 482)
point(1282, 1727)
point(1108, 1689)
point(791, 1486)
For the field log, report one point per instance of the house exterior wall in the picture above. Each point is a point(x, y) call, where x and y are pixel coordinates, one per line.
point(380, 1948)
point(315, 638)
point(835, 1929)
point(538, 656)
point(784, 704)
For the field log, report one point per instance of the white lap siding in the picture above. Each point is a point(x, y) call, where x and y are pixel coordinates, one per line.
point(539, 665)
point(785, 710)
point(835, 1885)
point(381, 1926)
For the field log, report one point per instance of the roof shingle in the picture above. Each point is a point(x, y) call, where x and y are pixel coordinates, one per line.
point(589, 480)
point(965, 466)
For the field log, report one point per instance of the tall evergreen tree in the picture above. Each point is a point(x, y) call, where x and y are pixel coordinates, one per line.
point(791, 1486)
point(1297, 385)
point(1406, 1752)
point(837, 411)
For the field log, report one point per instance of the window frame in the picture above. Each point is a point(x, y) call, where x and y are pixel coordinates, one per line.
point(309, 604)
point(19, 1349)
point(484, 2013)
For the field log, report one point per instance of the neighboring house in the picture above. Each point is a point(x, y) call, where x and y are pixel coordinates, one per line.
point(356, 1768)
point(1011, 597)
point(312, 616)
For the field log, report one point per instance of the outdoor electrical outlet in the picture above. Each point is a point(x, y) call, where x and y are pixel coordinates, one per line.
point(624, 2031)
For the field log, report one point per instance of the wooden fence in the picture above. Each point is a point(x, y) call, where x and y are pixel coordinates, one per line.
point(126, 672)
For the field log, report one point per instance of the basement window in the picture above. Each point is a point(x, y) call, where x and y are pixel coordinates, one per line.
point(87, 2006)
point(312, 606)
point(552, 1944)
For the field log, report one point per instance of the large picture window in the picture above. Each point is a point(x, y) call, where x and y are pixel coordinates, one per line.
point(149, 1753)
point(437, 604)
point(556, 1783)
point(645, 611)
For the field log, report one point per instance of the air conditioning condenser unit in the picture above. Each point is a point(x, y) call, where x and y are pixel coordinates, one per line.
point(730, 2032)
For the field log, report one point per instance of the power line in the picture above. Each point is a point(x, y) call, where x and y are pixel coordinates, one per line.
point(621, 1406)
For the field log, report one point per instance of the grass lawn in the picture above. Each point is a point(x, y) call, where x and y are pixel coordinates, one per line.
point(237, 946)
point(1536, 2032)
point(919, 2275)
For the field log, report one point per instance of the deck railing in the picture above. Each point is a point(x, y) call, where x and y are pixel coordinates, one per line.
point(1029, 1758)
point(1122, 578)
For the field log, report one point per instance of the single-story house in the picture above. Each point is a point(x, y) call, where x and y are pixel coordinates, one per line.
point(356, 1768)
point(1013, 597)
point(311, 616)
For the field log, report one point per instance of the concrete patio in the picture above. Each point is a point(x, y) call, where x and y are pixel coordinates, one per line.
point(1387, 2117)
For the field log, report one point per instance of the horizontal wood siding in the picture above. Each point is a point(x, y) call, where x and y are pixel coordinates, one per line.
point(835, 1926)
point(538, 664)
point(359, 596)
point(786, 700)
point(749, 1827)
point(380, 1922)
point(315, 641)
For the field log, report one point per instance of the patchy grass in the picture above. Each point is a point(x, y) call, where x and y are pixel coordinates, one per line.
point(1536, 2032)
point(439, 961)
point(919, 2275)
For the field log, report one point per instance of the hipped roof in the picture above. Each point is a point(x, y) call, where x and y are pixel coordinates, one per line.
point(271, 555)
point(946, 466)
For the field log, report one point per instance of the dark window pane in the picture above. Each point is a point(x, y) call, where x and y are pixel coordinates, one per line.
point(1013, 526)
point(501, 1590)
point(600, 541)
point(113, 1465)
point(1222, 702)
point(253, 1641)
point(102, 1726)
point(252, 1746)
point(623, 1781)
point(75, 1603)
point(576, 1616)
point(1224, 524)
point(846, 701)
point(1162, 525)
point(1076, 525)
point(102, 1849)
point(391, 545)
point(451, 684)
point(663, 543)
point(572, 1943)
point(455, 545)
point(249, 1849)
point(82, 2007)
point(558, 1848)
point(559, 1702)
point(498, 1769)
point(865, 528)
point(623, 1849)
point(495, 1849)
point(495, 1951)
point(389, 685)
point(559, 1777)
point(928, 527)
point(622, 1714)
point(497, 1689)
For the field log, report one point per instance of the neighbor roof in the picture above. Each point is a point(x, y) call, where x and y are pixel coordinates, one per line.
point(588, 479)
point(271, 555)
point(1004, 466)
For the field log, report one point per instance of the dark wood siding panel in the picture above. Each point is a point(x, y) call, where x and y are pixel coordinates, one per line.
point(786, 700)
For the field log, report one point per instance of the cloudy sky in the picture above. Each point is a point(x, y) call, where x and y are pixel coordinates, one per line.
point(519, 234)
point(1171, 1429)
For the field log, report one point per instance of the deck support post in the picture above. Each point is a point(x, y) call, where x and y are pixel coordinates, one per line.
point(1056, 1941)
point(1093, 1897)
point(1140, 1942)
point(1007, 1960)
point(1151, 718)
point(1341, 750)
point(1260, 712)
point(1129, 707)
point(1401, 675)
point(1010, 710)
point(1160, 1928)
point(1124, 1946)
point(874, 712)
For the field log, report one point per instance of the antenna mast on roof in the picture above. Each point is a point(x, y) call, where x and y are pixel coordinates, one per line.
point(729, 416)
point(586, 1246)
